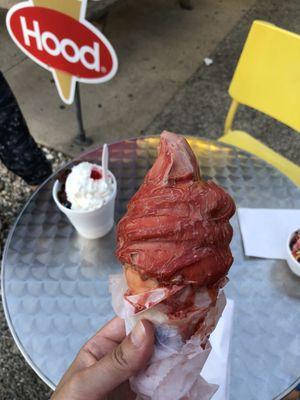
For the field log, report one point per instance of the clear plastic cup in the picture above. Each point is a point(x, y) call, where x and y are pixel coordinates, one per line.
point(90, 224)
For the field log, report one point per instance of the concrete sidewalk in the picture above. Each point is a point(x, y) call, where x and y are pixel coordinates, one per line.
point(159, 46)
point(201, 105)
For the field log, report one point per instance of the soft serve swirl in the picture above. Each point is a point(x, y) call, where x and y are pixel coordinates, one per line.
point(176, 228)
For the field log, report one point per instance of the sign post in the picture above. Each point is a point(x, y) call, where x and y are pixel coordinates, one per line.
point(81, 137)
point(56, 35)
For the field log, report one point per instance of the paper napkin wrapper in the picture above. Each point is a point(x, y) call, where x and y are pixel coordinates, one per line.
point(265, 231)
point(173, 372)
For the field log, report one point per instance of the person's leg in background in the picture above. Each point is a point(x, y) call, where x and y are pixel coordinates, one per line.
point(18, 150)
point(294, 395)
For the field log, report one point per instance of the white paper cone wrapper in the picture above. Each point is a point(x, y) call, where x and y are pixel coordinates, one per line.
point(173, 372)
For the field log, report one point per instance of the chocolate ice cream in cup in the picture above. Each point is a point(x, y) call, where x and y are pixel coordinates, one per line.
point(87, 198)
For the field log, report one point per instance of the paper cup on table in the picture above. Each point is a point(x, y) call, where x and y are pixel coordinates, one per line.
point(90, 224)
point(291, 260)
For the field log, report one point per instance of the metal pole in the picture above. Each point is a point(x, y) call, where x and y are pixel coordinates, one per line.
point(81, 137)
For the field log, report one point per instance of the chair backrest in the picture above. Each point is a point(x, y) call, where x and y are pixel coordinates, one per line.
point(267, 76)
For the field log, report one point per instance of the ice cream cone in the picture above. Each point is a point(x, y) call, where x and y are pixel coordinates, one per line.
point(174, 239)
point(135, 283)
point(179, 306)
point(73, 8)
point(173, 243)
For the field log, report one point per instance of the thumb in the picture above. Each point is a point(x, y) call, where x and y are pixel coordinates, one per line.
point(126, 360)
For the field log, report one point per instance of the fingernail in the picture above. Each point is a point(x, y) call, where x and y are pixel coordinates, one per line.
point(138, 334)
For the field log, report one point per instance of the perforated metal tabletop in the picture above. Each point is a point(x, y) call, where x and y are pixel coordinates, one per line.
point(55, 283)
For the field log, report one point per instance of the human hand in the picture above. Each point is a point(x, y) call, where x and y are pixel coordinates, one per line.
point(105, 363)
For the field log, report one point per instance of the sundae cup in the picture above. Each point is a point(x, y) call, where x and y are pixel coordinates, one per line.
point(173, 243)
point(88, 201)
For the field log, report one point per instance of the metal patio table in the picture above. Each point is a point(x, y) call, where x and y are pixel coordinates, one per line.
point(55, 283)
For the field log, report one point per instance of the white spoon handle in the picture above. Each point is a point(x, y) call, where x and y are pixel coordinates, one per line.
point(105, 156)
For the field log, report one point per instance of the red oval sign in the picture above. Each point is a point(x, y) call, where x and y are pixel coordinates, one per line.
point(58, 41)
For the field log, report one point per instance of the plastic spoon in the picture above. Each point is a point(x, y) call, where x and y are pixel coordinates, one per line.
point(105, 156)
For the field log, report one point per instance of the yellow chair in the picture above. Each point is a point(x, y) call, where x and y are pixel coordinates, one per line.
point(267, 78)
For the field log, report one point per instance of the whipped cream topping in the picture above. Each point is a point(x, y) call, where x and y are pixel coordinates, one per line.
point(86, 189)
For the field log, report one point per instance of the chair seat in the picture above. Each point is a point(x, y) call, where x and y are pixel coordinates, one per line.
point(246, 142)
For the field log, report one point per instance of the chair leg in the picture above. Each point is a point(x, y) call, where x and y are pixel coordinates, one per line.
point(186, 4)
